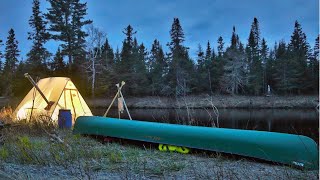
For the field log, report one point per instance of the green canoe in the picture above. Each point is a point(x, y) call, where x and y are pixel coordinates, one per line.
point(283, 148)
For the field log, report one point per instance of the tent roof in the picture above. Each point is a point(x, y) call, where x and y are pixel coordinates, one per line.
point(52, 89)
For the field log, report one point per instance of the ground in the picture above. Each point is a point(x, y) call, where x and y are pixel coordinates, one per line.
point(28, 152)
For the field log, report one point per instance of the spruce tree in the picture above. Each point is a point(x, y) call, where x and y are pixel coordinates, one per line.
point(254, 66)
point(1, 55)
point(282, 68)
point(105, 77)
point(271, 68)
point(107, 55)
point(38, 55)
point(209, 54)
point(209, 63)
point(117, 57)
point(264, 57)
point(218, 66)
point(203, 84)
point(298, 54)
point(220, 46)
point(79, 11)
point(1, 68)
point(66, 20)
point(58, 66)
point(313, 68)
point(125, 68)
point(181, 67)
point(11, 53)
point(11, 62)
point(157, 70)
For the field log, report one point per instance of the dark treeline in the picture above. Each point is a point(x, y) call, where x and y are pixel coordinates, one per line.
point(85, 55)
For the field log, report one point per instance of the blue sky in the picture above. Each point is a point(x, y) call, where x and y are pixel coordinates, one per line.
point(201, 20)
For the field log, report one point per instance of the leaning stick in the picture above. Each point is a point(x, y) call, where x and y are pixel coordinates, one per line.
point(119, 89)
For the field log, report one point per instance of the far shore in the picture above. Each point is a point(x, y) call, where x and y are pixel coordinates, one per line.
point(219, 101)
point(198, 102)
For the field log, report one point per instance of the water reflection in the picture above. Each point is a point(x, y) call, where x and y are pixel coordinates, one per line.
point(295, 121)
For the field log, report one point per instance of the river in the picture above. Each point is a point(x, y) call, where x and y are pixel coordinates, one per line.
point(293, 121)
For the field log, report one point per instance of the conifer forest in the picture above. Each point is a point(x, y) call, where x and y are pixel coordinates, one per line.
point(222, 66)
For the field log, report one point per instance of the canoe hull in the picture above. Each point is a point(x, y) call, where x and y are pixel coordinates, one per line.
point(284, 148)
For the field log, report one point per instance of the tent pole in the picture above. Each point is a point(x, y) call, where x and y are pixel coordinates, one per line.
point(49, 103)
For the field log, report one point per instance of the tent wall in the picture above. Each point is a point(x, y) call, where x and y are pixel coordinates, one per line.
point(61, 91)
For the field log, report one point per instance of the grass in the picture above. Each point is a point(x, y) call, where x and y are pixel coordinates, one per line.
point(28, 148)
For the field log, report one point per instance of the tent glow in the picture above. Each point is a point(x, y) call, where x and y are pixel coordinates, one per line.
point(61, 91)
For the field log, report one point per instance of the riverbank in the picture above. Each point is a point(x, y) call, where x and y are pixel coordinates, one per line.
point(27, 152)
point(198, 102)
point(219, 101)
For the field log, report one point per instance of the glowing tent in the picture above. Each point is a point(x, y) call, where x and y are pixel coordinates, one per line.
point(61, 92)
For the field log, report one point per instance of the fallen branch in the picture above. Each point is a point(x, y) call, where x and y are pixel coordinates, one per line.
point(56, 138)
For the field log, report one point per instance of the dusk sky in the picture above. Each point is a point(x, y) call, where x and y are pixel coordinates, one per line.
point(201, 20)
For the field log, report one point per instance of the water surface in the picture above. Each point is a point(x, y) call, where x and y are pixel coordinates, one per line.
point(293, 121)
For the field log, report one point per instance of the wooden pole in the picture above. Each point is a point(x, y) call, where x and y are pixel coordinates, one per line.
point(49, 103)
point(119, 89)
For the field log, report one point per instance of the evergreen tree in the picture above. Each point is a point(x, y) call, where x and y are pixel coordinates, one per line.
point(218, 66)
point(11, 53)
point(204, 68)
point(282, 69)
point(201, 70)
point(181, 66)
point(79, 11)
point(117, 57)
point(58, 66)
point(1, 55)
point(20, 86)
point(209, 59)
point(11, 62)
point(270, 67)
point(1, 68)
point(316, 49)
point(38, 55)
point(106, 78)
point(313, 68)
point(254, 67)
point(140, 71)
point(157, 69)
point(107, 55)
point(298, 54)
point(264, 58)
point(220, 46)
point(132, 66)
point(209, 55)
point(66, 19)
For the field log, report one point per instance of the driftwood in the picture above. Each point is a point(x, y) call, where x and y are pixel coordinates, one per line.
point(55, 137)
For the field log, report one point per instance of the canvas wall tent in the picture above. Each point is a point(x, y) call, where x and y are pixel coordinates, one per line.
point(59, 90)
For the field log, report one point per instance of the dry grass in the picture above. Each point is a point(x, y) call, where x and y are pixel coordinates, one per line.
point(28, 152)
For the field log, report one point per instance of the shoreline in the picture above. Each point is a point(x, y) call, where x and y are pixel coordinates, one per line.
point(198, 102)
point(218, 101)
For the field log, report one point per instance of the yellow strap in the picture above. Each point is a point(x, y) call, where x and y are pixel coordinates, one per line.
point(183, 150)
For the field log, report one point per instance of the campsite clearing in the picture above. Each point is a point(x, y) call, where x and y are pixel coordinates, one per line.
point(29, 153)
